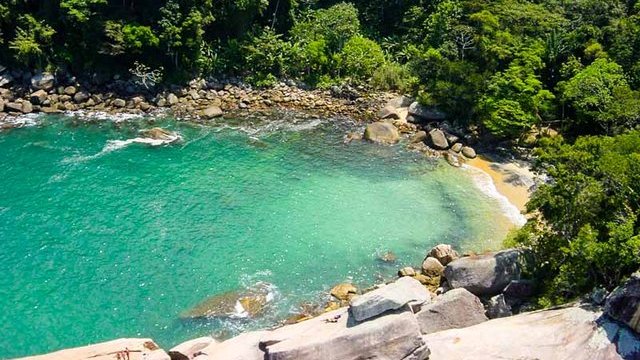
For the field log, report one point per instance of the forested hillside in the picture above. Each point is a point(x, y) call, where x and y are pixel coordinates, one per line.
point(503, 65)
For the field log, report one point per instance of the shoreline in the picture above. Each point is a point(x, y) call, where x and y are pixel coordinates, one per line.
point(510, 178)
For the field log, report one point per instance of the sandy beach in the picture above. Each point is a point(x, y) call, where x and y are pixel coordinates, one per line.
point(511, 179)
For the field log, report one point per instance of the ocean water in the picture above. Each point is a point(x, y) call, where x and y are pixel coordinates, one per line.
point(102, 238)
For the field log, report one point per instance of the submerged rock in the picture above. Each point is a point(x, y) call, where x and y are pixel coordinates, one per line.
point(249, 303)
point(159, 134)
point(404, 291)
point(382, 132)
point(388, 257)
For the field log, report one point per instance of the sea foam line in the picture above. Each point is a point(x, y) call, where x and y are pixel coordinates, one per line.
point(485, 184)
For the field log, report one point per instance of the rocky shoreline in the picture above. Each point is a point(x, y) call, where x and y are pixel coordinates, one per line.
point(478, 310)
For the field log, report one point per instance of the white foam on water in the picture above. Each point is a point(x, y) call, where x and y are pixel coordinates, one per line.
point(485, 184)
point(25, 120)
point(103, 115)
point(113, 145)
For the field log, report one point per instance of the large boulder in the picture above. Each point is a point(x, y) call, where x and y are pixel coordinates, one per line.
point(484, 274)
point(422, 113)
point(42, 81)
point(454, 309)
point(382, 132)
point(212, 112)
point(404, 291)
point(432, 267)
point(38, 97)
point(81, 96)
point(438, 140)
point(344, 291)
point(188, 349)
point(469, 152)
point(13, 107)
point(332, 337)
point(624, 303)
point(27, 107)
point(443, 253)
point(569, 333)
point(399, 102)
point(245, 346)
point(172, 99)
point(138, 349)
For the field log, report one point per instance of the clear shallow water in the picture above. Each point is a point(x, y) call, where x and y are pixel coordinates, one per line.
point(99, 242)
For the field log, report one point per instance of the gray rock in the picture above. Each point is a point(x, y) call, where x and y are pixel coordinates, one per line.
point(444, 253)
point(42, 81)
point(403, 291)
point(13, 107)
point(242, 347)
point(138, 349)
point(485, 274)
point(569, 333)
point(212, 112)
point(172, 99)
point(80, 97)
point(452, 139)
point(400, 102)
point(27, 107)
point(407, 271)
point(382, 132)
point(70, 90)
point(423, 113)
point(437, 139)
point(38, 97)
point(456, 308)
point(519, 289)
point(388, 112)
point(5, 79)
point(188, 349)
point(623, 304)
point(457, 147)
point(469, 152)
point(497, 307)
point(418, 137)
point(120, 103)
point(394, 336)
point(1, 105)
point(453, 159)
point(432, 267)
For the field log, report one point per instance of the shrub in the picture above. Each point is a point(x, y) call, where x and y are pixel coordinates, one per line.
point(359, 58)
point(393, 76)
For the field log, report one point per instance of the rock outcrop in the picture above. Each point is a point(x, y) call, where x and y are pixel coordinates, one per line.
point(344, 291)
point(443, 253)
point(623, 304)
point(188, 349)
point(138, 349)
point(454, 309)
point(484, 274)
point(404, 291)
point(382, 132)
point(422, 113)
point(570, 333)
point(393, 336)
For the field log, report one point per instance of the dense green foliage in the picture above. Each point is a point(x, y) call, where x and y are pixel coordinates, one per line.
point(588, 228)
point(508, 66)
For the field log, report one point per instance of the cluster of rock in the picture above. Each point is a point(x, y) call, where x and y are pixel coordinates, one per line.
point(23, 93)
point(405, 319)
point(425, 129)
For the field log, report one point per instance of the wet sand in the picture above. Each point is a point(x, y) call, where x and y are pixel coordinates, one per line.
point(510, 179)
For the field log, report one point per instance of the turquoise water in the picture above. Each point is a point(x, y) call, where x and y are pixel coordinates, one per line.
point(100, 241)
